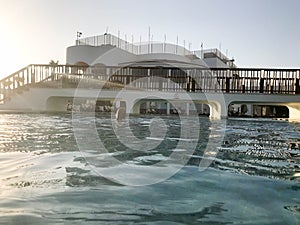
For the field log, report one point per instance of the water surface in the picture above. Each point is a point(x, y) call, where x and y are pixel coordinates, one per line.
point(47, 179)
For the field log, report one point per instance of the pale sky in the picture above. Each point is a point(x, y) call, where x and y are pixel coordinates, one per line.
point(257, 33)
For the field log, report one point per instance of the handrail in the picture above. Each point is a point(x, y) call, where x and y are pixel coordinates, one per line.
point(226, 80)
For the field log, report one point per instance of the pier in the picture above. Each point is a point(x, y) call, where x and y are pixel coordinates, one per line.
point(49, 87)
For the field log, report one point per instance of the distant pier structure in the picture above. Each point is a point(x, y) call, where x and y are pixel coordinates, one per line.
point(149, 78)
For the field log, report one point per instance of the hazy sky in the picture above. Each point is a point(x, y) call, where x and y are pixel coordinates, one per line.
point(257, 33)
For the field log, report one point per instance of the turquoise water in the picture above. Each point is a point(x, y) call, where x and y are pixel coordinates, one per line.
point(49, 178)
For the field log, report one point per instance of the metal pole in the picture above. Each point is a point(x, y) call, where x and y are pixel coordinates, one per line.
point(176, 45)
point(131, 43)
point(78, 36)
point(165, 43)
point(140, 44)
point(149, 35)
point(118, 39)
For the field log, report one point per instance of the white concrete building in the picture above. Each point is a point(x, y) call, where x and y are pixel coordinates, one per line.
point(149, 75)
point(109, 50)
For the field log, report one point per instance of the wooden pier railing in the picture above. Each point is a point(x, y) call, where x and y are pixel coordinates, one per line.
point(233, 80)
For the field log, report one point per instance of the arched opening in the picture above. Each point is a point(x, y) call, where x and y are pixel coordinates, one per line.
point(257, 110)
point(163, 107)
point(80, 68)
point(58, 103)
point(84, 104)
point(81, 63)
point(99, 71)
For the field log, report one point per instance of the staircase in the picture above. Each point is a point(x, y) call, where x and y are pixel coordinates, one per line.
point(35, 75)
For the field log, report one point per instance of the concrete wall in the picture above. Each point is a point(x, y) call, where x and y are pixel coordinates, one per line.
point(85, 53)
point(215, 62)
point(105, 54)
point(53, 99)
point(163, 56)
point(113, 56)
point(294, 111)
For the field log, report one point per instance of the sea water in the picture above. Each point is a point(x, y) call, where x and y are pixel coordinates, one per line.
point(61, 169)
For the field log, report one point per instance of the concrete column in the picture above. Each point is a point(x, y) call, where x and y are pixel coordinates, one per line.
point(133, 107)
point(147, 106)
point(218, 111)
point(294, 112)
point(168, 108)
point(214, 113)
point(121, 111)
point(187, 110)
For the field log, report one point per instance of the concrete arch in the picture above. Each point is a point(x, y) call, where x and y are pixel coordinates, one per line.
point(215, 110)
point(293, 107)
point(294, 111)
point(81, 63)
point(79, 70)
point(99, 70)
point(58, 103)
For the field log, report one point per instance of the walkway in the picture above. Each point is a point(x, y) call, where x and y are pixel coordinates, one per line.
point(217, 87)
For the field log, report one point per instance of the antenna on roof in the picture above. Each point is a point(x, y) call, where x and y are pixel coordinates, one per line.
point(140, 44)
point(118, 39)
point(165, 40)
point(176, 45)
point(78, 36)
point(131, 43)
point(106, 31)
point(152, 43)
point(149, 35)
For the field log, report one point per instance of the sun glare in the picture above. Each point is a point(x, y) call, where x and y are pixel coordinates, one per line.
point(11, 51)
point(9, 57)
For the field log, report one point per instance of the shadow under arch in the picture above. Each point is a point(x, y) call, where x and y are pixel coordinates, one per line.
point(259, 110)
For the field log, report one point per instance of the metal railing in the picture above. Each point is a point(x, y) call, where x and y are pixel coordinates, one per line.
point(33, 75)
point(134, 47)
point(215, 53)
point(222, 80)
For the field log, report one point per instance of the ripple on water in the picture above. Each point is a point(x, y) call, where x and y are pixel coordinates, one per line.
point(44, 178)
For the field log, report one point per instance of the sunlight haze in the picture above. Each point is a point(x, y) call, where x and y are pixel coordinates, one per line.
point(255, 33)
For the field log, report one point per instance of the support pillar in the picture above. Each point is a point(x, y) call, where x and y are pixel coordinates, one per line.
point(215, 114)
point(168, 108)
point(121, 111)
point(218, 111)
point(294, 112)
point(187, 110)
point(148, 106)
point(133, 107)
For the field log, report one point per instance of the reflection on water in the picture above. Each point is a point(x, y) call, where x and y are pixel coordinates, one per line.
point(261, 148)
point(254, 178)
point(36, 133)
